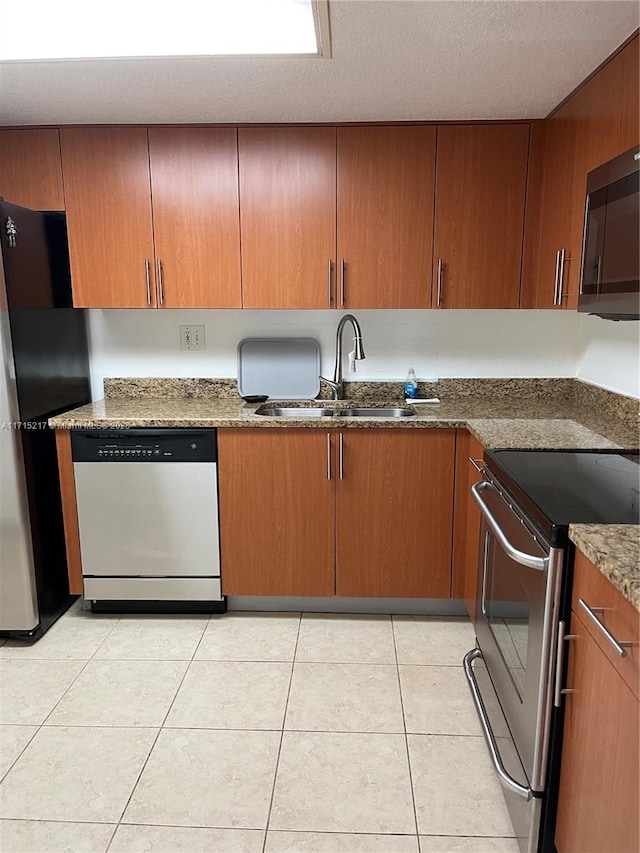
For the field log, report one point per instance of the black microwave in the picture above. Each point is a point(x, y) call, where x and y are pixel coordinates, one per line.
point(610, 274)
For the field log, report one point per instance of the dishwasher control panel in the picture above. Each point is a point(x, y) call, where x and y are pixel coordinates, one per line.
point(144, 446)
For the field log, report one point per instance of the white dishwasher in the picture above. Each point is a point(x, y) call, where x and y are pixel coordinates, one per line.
point(148, 519)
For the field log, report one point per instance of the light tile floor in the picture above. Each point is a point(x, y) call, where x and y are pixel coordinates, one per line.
point(246, 733)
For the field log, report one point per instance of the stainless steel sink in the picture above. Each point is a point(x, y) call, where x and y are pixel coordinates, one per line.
point(295, 412)
point(377, 413)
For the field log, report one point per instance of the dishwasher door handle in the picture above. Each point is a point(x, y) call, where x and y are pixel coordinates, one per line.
point(529, 560)
point(508, 781)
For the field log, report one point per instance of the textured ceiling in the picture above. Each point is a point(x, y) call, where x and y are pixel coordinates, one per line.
point(392, 60)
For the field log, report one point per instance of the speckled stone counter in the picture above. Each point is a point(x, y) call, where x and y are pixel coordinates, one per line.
point(615, 550)
point(542, 414)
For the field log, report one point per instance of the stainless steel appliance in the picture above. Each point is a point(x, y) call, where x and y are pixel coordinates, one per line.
point(527, 500)
point(148, 519)
point(610, 274)
point(45, 371)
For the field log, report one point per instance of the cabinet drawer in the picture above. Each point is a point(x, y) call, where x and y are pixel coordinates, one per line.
point(619, 618)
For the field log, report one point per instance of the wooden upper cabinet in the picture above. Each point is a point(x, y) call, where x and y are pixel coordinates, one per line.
point(30, 169)
point(194, 183)
point(557, 252)
point(276, 512)
point(287, 216)
point(599, 791)
point(108, 196)
point(605, 116)
point(385, 216)
point(481, 177)
point(394, 513)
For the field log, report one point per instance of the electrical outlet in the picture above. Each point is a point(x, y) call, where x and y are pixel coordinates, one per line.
point(192, 338)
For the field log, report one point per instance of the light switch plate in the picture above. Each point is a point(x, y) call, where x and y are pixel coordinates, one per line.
point(192, 338)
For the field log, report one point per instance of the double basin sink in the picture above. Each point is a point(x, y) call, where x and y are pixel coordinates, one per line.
point(323, 412)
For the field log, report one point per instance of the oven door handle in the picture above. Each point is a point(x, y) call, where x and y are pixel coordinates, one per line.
point(508, 781)
point(529, 560)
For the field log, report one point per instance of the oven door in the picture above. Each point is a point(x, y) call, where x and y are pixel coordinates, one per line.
point(516, 624)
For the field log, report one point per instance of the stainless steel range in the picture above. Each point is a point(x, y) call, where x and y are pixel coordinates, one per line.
point(515, 673)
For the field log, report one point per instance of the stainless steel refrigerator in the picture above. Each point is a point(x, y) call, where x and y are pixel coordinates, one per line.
point(45, 372)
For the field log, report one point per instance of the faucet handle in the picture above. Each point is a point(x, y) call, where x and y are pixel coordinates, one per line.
point(335, 386)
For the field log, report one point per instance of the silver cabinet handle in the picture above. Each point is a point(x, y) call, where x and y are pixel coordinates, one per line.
point(477, 464)
point(160, 282)
point(329, 289)
point(508, 781)
point(529, 560)
point(439, 280)
point(591, 613)
point(342, 266)
point(147, 275)
point(328, 456)
point(485, 563)
point(563, 258)
point(562, 639)
point(341, 456)
point(556, 299)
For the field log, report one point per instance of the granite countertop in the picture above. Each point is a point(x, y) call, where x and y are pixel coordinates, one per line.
point(615, 550)
point(505, 422)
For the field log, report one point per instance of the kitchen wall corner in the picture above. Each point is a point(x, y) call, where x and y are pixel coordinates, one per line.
point(608, 354)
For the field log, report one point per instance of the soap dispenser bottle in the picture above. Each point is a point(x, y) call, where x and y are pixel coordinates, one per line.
point(411, 385)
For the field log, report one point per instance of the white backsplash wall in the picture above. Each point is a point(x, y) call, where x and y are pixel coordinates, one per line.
point(609, 354)
point(436, 343)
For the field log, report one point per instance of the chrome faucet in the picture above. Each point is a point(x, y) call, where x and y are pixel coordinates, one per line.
point(337, 384)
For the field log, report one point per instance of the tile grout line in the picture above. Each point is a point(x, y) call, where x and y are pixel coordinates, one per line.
point(284, 720)
point(406, 737)
point(155, 740)
point(41, 725)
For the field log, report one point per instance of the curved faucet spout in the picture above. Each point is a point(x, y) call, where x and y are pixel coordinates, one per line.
point(358, 350)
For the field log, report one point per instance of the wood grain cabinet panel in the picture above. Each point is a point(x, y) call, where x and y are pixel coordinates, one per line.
point(31, 168)
point(467, 519)
point(481, 176)
point(385, 216)
point(194, 183)
point(599, 122)
point(551, 281)
point(599, 792)
point(276, 512)
point(108, 196)
point(394, 513)
point(287, 215)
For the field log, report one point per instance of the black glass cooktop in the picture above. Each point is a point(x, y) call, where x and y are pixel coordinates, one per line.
point(559, 488)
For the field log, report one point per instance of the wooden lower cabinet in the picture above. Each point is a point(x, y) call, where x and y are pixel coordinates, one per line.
point(466, 524)
point(599, 792)
point(276, 512)
point(310, 512)
point(394, 500)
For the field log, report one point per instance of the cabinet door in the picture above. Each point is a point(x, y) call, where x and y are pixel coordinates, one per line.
point(106, 181)
point(30, 169)
point(556, 218)
point(276, 512)
point(605, 115)
point(385, 216)
point(194, 181)
point(287, 216)
point(599, 792)
point(466, 530)
point(481, 177)
point(394, 513)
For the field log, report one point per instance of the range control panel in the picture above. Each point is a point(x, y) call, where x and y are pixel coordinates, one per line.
point(144, 446)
